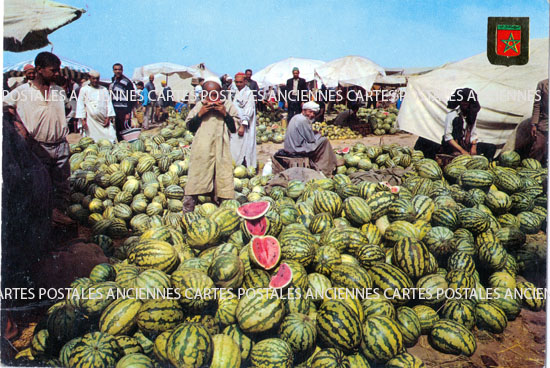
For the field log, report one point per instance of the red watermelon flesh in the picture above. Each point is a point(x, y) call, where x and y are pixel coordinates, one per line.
point(282, 278)
point(257, 227)
point(344, 150)
point(265, 251)
point(253, 210)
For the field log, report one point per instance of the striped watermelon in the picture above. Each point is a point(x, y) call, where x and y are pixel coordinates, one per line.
point(226, 354)
point(351, 277)
point(405, 360)
point(390, 278)
point(105, 293)
point(427, 316)
point(227, 220)
point(382, 339)
point(227, 271)
point(357, 210)
point(270, 353)
point(190, 345)
point(157, 254)
point(474, 220)
point(461, 311)
point(338, 325)
point(119, 317)
point(329, 358)
point(135, 360)
point(193, 282)
point(411, 256)
point(327, 201)
point(409, 325)
point(379, 204)
point(490, 317)
point(369, 255)
point(429, 169)
point(156, 316)
point(476, 179)
point(530, 297)
point(357, 360)
point(321, 222)
point(258, 311)
point(299, 331)
point(243, 341)
point(326, 258)
point(95, 349)
point(159, 346)
point(202, 232)
point(452, 338)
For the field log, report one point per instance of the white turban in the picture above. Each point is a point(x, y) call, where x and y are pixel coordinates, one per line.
point(311, 106)
point(213, 80)
point(94, 74)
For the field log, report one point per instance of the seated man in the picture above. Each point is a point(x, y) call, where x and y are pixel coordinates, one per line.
point(347, 117)
point(301, 140)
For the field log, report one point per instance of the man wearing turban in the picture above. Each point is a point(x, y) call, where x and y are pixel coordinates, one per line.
point(243, 142)
point(300, 140)
point(95, 110)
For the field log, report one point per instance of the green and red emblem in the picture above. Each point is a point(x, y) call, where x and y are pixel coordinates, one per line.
point(508, 42)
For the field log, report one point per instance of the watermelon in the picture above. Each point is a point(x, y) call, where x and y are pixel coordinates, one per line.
point(227, 352)
point(257, 227)
point(338, 325)
point(95, 349)
point(382, 339)
point(265, 251)
point(253, 210)
point(190, 345)
point(270, 353)
point(452, 338)
point(282, 278)
point(257, 311)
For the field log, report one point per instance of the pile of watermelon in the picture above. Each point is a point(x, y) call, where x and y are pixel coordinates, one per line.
point(364, 158)
point(290, 250)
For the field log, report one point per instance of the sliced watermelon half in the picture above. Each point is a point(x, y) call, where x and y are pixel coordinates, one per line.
point(265, 251)
point(344, 150)
point(394, 189)
point(282, 278)
point(253, 210)
point(257, 227)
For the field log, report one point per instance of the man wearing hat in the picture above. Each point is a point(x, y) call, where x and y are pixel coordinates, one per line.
point(212, 120)
point(300, 140)
point(29, 73)
point(95, 110)
point(296, 93)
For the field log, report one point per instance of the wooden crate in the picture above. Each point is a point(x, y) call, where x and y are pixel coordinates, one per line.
point(362, 128)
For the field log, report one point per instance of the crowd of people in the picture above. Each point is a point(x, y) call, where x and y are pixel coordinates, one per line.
point(222, 116)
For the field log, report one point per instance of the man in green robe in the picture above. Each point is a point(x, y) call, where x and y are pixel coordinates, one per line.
point(211, 164)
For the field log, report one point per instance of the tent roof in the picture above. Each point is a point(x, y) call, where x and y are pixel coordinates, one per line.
point(505, 94)
point(281, 71)
point(27, 23)
point(349, 70)
point(164, 68)
point(69, 68)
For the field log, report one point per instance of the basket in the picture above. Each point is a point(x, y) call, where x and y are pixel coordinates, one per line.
point(130, 134)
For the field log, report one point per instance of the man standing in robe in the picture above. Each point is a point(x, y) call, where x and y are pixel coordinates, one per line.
point(212, 120)
point(243, 143)
point(296, 95)
point(301, 140)
point(95, 110)
point(123, 94)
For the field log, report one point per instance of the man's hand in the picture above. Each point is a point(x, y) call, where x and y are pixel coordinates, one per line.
point(241, 131)
point(533, 131)
point(84, 123)
point(127, 117)
point(107, 122)
point(220, 108)
point(473, 150)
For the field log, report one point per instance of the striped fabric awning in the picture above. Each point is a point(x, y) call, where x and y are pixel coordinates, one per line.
point(68, 69)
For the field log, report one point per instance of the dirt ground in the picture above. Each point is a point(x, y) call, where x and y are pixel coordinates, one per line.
point(521, 345)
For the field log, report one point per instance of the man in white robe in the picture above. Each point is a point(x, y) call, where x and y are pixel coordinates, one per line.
point(95, 109)
point(243, 142)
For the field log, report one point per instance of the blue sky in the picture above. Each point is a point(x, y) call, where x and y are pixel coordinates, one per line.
point(230, 36)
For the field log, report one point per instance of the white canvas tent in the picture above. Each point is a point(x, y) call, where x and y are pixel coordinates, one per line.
point(349, 71)
point(279, 72)
point(166, 69)
point(27, 23)
point(181, 86)
point(505, 94)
